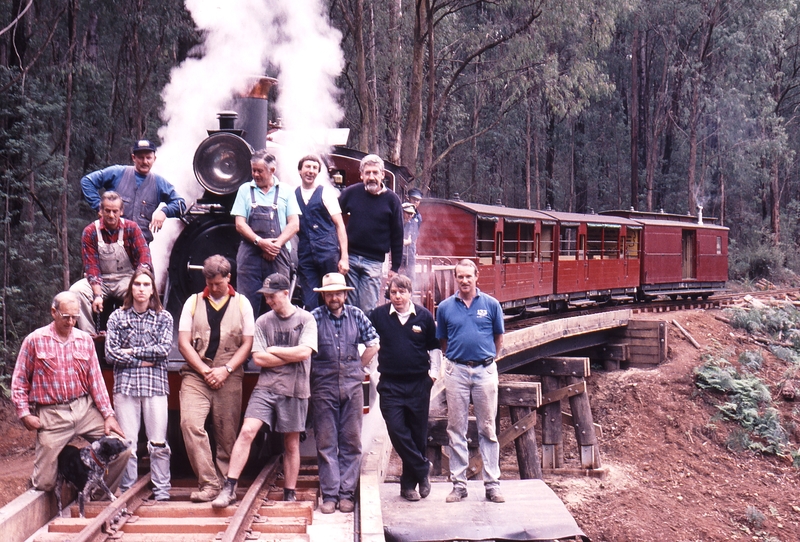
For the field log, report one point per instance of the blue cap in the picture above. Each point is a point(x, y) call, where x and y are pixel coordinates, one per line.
point(143, 145)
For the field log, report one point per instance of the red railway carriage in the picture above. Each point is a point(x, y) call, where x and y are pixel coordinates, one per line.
point(597, 258)
point(513, 248)
point(682, 255)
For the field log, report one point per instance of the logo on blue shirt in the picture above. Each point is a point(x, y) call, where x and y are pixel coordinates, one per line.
point(482, 313)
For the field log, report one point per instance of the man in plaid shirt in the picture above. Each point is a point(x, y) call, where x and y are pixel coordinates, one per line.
point(58, 390)
point(137, 345)
point(112, 248)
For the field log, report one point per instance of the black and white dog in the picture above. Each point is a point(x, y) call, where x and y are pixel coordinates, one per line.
point(84, 468)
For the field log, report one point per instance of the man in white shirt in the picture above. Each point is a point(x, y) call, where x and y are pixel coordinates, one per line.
point(322, 237)
point(215, 336)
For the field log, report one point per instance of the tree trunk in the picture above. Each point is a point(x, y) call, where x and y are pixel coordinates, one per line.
point(430, 121)
point(527, 151)
point(775, 203)
point(413, 125)
point(634, 112)
point(549, 164)
point(692, 166)
point(72, 17)
point(394, 96)
point(372, 125)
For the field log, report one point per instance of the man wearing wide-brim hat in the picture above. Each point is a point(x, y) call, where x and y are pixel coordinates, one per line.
point(336, 394)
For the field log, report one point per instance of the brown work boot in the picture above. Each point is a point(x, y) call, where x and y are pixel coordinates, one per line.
point(346, 506)
point(409, 494)
point(457, 494)
point(205, 495)
point(328, 507)
point(493, 494)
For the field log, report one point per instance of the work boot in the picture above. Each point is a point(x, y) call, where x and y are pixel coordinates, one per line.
point(425, 487)
point(457, 494)
point(410, 494)
point(346, 506)
point(493, 494)
point(328, 507)
point(226, 497)
point(205, 495)
point(289, 495)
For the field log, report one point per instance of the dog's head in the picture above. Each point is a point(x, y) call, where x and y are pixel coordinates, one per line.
point(107, 449)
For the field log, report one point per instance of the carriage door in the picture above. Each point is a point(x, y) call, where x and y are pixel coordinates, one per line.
point(688, 255)
point(583, 259)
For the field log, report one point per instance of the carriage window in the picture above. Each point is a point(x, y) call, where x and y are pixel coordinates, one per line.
point(632, 245)
point(518, 243)
point(526, 242)
point(611, 243)
point(595, 236)
point(485, 242)
point(510, 243)
point(568, 246)
point(719, 245)
point(545, 244)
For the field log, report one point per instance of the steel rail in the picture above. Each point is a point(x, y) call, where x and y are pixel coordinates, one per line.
point(237, 529)
point(102, 524)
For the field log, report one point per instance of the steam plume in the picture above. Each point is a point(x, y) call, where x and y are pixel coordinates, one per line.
point(241, 38)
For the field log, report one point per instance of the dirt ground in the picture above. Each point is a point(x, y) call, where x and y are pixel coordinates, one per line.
point(669, 474)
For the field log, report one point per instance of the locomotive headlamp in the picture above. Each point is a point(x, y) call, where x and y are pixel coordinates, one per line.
point(222, 163)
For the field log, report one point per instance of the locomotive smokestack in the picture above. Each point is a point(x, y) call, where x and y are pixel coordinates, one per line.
point(699, 214)
point(226, 119)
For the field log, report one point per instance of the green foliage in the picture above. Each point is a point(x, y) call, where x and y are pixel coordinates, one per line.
point(752, 360)
point(746, 402)
point(783, 320)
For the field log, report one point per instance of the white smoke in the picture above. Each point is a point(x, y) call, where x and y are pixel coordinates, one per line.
point(241, 38)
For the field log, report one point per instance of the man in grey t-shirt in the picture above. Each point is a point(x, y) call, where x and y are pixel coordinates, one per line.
point(282, 347)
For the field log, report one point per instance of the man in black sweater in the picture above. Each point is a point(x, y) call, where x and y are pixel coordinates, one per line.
point(408, 361)
point(374, 228)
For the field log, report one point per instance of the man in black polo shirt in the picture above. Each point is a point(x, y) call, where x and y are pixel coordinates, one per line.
point(408, 361)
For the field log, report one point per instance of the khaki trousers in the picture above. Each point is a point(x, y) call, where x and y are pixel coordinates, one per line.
point(60, 424)
point(225, 407)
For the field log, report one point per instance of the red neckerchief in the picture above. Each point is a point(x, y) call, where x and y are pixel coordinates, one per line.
point(207, 294)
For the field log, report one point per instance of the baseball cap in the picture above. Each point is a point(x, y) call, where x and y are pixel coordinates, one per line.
point(143, 145)
point(274, 284)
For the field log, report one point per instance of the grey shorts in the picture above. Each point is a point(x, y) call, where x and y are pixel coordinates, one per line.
point(281, 414)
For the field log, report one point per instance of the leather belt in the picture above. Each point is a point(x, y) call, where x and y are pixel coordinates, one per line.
point(474, 363)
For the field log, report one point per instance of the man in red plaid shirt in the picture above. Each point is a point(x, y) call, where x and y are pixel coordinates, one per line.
point(112, 248)
point(58, 390)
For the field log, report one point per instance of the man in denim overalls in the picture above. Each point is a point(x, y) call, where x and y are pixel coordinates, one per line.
point(267, 216)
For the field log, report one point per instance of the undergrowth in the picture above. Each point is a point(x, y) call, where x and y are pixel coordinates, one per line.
point(748, 402)
point(746, 398)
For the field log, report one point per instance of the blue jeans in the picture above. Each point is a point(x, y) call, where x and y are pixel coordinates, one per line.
point(129, 411)
point(252, 269)
point(337, 403)
point(481, 382)
point(311, 267)
point(365, 276)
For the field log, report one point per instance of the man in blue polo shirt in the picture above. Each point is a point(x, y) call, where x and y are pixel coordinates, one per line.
point(148, 198)
point(470, 330)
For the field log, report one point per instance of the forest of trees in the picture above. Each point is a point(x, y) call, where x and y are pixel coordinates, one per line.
point(581, 105)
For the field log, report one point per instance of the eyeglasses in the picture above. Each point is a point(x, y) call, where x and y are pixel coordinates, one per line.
point(67, 317)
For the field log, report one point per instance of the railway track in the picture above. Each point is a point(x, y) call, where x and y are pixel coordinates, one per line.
point(659, 305)
point(135, 517)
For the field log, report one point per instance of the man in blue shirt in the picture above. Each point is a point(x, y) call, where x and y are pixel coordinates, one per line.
point(148, 198)
point(267, 216)
point(337, 399)
point(470, 330)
